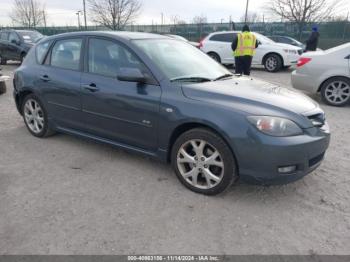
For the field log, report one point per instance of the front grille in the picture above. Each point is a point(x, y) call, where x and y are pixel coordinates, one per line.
point(317, 120)
point(300, 51)
point(314, 161)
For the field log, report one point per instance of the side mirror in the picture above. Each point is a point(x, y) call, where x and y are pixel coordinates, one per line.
point(14, 41)
point(128, 74)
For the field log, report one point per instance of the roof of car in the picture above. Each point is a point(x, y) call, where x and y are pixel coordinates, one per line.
point(122, 34)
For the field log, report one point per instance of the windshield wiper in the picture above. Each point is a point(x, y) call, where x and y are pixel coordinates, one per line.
point(191, 79)
point(223, 77)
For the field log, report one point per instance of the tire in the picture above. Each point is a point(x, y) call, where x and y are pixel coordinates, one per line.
point(2, 87)
point(199, 168)
point(23, 55)
point(3, 61)
point(215, 56)
point(336, 91)
point(273, 63)
point(43, 129)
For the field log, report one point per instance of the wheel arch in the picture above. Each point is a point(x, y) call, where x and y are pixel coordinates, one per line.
point(20, 97)
point(329, 78)
point(184, 127)
point(215, 53)
point(272, 53)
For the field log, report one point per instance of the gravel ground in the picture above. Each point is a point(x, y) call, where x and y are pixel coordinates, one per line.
point(64, 195)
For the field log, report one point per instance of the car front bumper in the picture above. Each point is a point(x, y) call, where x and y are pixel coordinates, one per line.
point(260, 159)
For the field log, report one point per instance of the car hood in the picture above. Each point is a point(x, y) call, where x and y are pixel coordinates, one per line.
point(287, 46)
point(252, 96)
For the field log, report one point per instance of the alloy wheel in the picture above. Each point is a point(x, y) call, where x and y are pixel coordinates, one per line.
point(34, 116)
point(337, 92)
point(271, 63)
point(200, 164)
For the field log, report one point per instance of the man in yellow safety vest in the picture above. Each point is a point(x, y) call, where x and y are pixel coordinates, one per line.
point(243, 46)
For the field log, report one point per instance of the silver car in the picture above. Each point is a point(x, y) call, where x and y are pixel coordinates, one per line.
point(326, 72)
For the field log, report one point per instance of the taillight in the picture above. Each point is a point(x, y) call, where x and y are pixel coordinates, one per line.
point(303, 60)
point(201, 44)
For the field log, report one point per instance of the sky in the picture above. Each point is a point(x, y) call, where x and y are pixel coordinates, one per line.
point(62, 12)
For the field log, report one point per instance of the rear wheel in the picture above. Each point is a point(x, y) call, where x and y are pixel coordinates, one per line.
point(336, 91)
point(3, 61)
point(215, 56)
point(273, 63)
point(203, 162)
point(35, 116)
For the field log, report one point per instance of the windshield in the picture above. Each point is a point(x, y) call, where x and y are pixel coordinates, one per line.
point(30, 36)
point(264, 39)
point(179, 60)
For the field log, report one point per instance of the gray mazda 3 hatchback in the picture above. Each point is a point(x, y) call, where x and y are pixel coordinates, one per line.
point(164, 98)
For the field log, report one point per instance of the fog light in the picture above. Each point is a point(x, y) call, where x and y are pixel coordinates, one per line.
point(287, 169)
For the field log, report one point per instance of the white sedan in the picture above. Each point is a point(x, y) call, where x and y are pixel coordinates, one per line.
point(326, 72)
point(274, 56)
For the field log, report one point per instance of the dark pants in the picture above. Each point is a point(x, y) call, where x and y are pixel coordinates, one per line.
point(243, 64)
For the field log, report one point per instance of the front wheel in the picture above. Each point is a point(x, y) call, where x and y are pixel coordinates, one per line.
point(336, 91)
point(215, 56)
point(203, 162)
point(35, 117)
point(273, 63)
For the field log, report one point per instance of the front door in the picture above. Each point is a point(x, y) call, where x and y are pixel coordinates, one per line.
point(13, 49)
point(125, 112)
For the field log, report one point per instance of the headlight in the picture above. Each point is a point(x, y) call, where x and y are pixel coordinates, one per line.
point(275, 126)
point(290, 51)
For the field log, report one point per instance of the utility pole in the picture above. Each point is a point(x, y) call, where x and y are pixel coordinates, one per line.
point(246, 12)
point(84, 5)
point(78, 14)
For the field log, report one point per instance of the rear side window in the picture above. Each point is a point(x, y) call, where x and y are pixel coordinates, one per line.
point(227, 38)
point(41, 51)
point(66, 54)
point(4, 36)
point(14, 37)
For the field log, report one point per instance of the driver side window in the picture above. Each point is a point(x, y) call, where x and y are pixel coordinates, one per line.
point(106, 57)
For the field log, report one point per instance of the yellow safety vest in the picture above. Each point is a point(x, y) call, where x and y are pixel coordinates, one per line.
point(246, 42)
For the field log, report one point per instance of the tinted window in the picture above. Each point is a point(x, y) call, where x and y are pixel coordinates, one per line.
point(223, 37)
point(30, 36)
point(4, 36)
point(106, 57)
point(41, 51)
point(14, 37)
point(285, 40)
point(66, 54)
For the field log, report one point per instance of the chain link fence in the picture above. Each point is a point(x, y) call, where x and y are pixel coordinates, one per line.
point(332, 33)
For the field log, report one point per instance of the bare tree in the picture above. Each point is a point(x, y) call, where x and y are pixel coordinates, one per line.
point(301, 12)
point(200, 20)
point(28, 13)
point(114, 14)
point(252, 17)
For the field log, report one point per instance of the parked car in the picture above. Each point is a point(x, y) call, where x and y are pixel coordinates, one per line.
point(179, 37)
point(166, 99)
point(15, 44)
point(326, 72)
point(274, 56)
point(3, 80)
point(287, 40)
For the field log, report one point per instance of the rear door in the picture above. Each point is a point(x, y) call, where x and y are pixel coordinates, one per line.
point(60, 82)
point(223, 43)
point(125, 112)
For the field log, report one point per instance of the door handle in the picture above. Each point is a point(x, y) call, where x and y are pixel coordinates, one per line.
point(91, 87)
point(45, 78)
